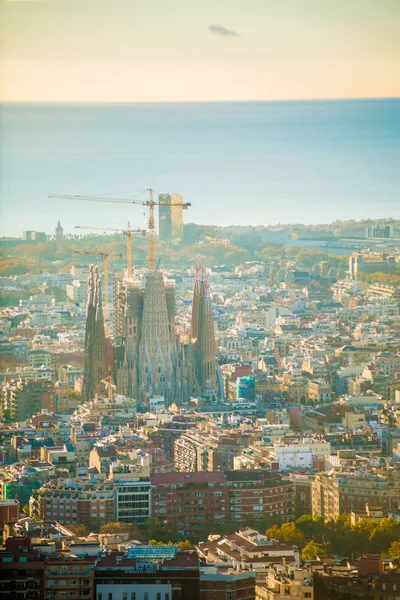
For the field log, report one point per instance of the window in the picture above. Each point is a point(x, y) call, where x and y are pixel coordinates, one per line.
point(158, 596)
point(109, 595)
point(146, 596)
point(124, 595)
point(99, 597)
point(133, 595)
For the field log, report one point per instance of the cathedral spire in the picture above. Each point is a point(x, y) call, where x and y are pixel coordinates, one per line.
point(202, 329)
point(95, 368)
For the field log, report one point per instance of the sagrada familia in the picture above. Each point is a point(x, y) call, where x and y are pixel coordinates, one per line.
point(151, 358)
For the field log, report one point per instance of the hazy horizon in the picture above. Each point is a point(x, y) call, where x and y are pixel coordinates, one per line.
point(260, 163)
point(240, 101)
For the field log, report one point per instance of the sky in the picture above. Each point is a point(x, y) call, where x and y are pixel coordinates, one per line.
point(198, 50)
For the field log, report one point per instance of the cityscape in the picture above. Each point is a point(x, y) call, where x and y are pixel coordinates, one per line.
point(199, 300)
point(233, 426)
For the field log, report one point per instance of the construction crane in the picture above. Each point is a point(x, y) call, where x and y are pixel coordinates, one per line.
point(110, 387)
point(149, 203)
point(128, 232)
point(105, 256)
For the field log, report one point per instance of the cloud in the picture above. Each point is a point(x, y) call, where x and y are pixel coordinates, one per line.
point(224, 31)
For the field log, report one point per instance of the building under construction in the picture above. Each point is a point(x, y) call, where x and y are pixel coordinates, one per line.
point(152, 360)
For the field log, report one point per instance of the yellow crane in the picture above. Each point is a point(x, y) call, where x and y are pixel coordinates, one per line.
point(149, 203)
point(105, 256)
point(127, 232)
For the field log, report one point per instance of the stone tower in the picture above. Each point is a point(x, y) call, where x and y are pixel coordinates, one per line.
point(59, 232)
point(128, 309)
point(202, 330)
point(157, 341)
point(95, 368)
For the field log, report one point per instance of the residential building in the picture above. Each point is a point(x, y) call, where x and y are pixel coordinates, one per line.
point(247, 549)
point(21, 570)
point(9, 511)
point(286, 580)
point(39, 358)
point(68, 575)
point(220, 582)
point(132, 492)
point(74, 501)
point(195, 501)
point(336, 492)
point(147, 573)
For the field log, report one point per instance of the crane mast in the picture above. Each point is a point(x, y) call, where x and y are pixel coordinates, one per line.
point(150, 205)
point(127, 232)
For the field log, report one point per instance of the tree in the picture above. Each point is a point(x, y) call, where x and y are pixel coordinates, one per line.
point(115, 527)
point(79, 530)
point(287, 533)
point(313, 528)
point(186, 545)
point(311, 551)
point(394, 550)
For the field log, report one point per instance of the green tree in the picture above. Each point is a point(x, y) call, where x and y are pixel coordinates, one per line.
point(311, 550)
point(287, 533)
point(394, 550)
point(79, 530)
point(132, 529)
point(312, 528)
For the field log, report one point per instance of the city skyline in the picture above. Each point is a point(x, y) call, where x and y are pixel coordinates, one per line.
point(214, 51)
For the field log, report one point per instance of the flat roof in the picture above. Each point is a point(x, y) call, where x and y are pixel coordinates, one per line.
point(152, 552)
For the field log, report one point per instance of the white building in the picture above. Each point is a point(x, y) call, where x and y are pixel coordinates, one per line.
point(77, 290)
point(132, 492)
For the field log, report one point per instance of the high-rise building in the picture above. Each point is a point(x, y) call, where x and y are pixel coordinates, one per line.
point(170, 214)
point(95, 368)
point(202, 331)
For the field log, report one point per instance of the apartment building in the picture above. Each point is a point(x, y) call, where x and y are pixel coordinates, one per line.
point(74, 501)
point(147, 573)
point(318, 390)
point(334, 493)
point(132, 492)
point(286, 580)
point(21, 570)
point(208, 449)
point(67, 575)
point(249, 550)
point(166, 433)
point(222, 582)
point(194, 501)
point(22, 399)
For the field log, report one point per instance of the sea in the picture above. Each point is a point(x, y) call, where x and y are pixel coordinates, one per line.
point(238, 163)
